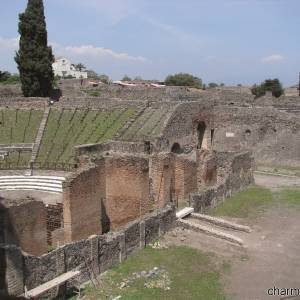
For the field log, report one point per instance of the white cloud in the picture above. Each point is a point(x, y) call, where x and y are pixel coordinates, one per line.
point(9, 43)
point(273, 58)
point(90, 51)
point(93, 57)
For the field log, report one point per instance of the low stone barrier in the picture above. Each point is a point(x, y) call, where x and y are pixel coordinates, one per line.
point(235, 174)
point(92, 256)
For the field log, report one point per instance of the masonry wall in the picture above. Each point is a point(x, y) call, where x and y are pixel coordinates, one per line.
point(127, 189)
point(272, 135)
point(235, 172)
point(82, 195)
point(25, 225)
point(93, 255)
point(11, 271)
point(162, 178)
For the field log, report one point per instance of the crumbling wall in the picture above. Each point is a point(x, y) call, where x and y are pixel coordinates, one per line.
point(162, 178)
point(97, 253)
point(25, 225)
point(11, 271)
point(127, 189)
point(235, 172)
point(82, 194)
point(273, 135)
point(185, 178)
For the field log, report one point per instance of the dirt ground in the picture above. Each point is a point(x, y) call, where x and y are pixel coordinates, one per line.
point(45, 197)
point(272, 256)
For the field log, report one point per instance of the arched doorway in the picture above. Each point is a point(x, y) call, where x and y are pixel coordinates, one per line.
point(176, 148)
point(201, 132)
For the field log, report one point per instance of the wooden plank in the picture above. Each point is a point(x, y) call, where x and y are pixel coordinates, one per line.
point(51, 284)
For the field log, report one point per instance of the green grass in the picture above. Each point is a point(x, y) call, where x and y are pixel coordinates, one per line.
point(254, 200)
point(290, 196)
point(68, 128)
point(19, 126)
point(244, 204)
point(193, 275)
point(148, 124)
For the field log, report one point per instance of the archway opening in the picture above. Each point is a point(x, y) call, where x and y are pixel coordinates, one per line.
point(201, 131)
point(176, 148)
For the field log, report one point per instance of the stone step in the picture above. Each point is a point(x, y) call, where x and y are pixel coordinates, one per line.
point(221, 222)
point(184, 212)
point(45, 180)
point(29, 183)
point(59, 178)
point(211, 231)
point(31, 187)
point(39, 135)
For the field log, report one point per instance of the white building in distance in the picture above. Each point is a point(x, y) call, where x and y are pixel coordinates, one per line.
point(62, 67)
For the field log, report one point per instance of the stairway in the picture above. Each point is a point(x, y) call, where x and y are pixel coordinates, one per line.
point(39, 137)
point(215, 227)
point(51, 184)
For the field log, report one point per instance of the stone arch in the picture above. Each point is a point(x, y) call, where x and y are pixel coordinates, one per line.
point(176, 148)
point(248, 132)
point(201, 128)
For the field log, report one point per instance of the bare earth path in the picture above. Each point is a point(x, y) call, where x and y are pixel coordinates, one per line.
point(272, 257)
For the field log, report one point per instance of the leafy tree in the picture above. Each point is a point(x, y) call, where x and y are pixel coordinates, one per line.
point(183, 79)
point(34, 57)
point(212, 85)
point(138, 78)
point(104, 78)
point(126, 78)
point(80, 67)
point(92, 74)
point(4, 76)
point(222, 84)
point(271, 85)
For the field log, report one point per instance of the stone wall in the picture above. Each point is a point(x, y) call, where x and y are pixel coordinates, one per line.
point(127, 189)
point(273, 136)
point(11, 270)
point(185, 177)
point(82, 194)
point(235, 172)
point(25, 225)
point(93, 255)
point(162, 178)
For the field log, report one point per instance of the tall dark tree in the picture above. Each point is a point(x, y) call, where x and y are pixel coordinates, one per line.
point(34, 57)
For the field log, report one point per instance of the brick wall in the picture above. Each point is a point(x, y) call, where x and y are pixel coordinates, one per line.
point(235, 172)
point(25, 225)
point(127, 189)
point(162, 178)
point(97, 253)
point(54, 220)
point(82, 194)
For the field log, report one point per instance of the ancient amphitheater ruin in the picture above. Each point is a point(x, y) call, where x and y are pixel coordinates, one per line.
point(94, 179)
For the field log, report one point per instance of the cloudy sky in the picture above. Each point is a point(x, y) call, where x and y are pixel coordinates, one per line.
point(230, 41)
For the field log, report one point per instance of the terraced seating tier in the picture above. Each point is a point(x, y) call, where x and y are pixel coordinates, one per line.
point(149, 124)
point(67, 128)
point(52, 184)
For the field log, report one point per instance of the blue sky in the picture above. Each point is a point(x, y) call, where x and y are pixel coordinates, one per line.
point(230, 41)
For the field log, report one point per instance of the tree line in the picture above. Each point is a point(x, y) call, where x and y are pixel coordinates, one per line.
point(34, 60)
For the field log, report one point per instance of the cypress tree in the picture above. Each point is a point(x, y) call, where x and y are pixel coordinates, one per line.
point(34, 57)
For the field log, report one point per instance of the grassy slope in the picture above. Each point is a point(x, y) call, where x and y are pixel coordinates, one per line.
point(19, 126)
point(195, 277)
point(68, 128)
point(253, 200)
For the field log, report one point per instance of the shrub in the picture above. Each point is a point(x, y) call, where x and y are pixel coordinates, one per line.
point(183, 79)
point(271, 85)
